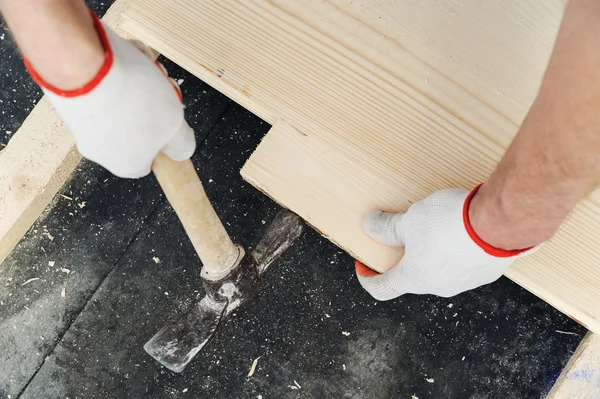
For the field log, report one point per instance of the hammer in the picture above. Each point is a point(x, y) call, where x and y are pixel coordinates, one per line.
point(229, 275)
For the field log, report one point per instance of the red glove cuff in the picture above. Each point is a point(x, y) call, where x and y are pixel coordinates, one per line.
point(489, 249)
point(89, 86)
point(364, 271)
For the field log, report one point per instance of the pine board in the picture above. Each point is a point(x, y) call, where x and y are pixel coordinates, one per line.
point(580, 378)
point(376, 104)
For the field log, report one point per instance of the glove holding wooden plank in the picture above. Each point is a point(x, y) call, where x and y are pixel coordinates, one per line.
point(455, 241)
point(444, 255)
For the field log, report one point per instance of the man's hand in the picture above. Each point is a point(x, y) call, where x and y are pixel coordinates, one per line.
point(444, 256)
point(128, 113)
point(119, 104)
point(452, 243)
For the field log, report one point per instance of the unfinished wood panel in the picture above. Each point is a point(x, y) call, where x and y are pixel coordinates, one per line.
point(580, 378)
point(379, 103)
point(37, 161)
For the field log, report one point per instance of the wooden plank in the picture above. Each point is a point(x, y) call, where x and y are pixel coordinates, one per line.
point(383, 102)
point(580, 378)
point(36, 163)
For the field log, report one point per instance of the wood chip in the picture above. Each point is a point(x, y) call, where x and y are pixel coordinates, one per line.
point(156, 259)
point(430, 380)
point(82, 205)
point(50, 236)
point(566, 332)
point(66, 197)
point(346, 333)
point(51, 263)
point(253, 367)
point(298, 385)
point(63, 292)
point(30, 280)
point(65, 270)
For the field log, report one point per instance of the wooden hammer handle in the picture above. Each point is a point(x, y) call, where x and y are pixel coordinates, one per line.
point(183, 189)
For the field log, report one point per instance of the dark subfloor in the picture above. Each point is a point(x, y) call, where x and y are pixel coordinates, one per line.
point(117, 253)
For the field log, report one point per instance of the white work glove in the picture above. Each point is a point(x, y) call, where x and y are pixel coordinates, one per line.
point(128, 113)
point(444, 256)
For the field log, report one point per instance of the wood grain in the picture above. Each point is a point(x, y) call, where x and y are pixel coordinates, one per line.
point(580, 378)
point(377, 104)
point(36, 163)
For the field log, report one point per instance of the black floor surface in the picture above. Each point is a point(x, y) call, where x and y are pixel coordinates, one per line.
point(116, 251)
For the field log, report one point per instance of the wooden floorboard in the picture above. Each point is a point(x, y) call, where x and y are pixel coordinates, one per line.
point(384, 103)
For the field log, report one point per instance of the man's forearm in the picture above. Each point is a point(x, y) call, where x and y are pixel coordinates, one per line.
point(58, 39)
point(554, 161)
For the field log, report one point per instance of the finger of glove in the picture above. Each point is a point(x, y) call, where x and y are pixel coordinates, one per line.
point(128, 171)
point(182, 145)
point(384, 286)
point(385, 227)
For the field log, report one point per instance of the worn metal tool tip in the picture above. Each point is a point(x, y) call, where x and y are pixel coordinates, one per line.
point(176, 344)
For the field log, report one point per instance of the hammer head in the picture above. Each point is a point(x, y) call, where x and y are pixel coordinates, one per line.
point(176, 344)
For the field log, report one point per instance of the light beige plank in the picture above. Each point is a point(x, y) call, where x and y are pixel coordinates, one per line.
point(36, 163)
point(580, 378)
point(384, 102)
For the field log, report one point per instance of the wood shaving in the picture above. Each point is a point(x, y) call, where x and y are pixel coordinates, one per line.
point(346, 333)
point(253, 367)
point(30, 280)
point(82, 205)
point(65, 270)
point(566, 332)
point(66, 197)
point(63, 292)
point(430, 380)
